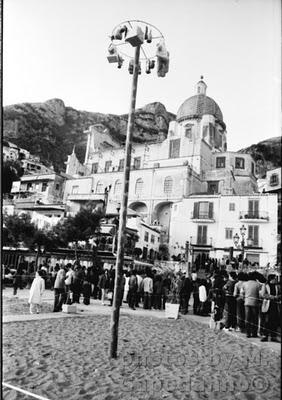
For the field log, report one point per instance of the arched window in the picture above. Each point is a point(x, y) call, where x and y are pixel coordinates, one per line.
point(168, 184)
point(139, 186)
point(117, 188)
point(99, 187)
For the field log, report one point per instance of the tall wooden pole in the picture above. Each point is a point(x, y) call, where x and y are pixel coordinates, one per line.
point(123, 212)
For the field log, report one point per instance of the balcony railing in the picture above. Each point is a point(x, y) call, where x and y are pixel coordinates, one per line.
point(254, 215)
point(86, 196)
point(249, 244)
point(203, 215)
point(200, 241)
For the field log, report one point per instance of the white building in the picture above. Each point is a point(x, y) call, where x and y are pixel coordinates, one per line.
point(149, 237)
point(192, 160)
point(209, 223)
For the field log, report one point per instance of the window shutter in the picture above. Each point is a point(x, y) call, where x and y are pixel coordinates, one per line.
point(251, 232)
point(199, 234)
point(204, 235)
point(256, 208)
point(210, 210)
point(250, 207)
point(256, 235)
point(196, 210)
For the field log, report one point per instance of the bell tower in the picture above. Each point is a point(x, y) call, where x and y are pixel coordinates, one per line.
point(201, 87)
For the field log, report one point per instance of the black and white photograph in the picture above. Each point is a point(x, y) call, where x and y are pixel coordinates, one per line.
point(141, 199)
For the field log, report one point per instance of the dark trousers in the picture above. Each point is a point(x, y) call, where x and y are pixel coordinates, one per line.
point(240, 308)
point(95, 290)
point(269, 321)
point(196, 304)
point(184, 303)
point(75, 296)
point(251, 315)
point(17, 284)
point(59, 299)
point(157, 301)
point(131, 298)
point(137, 299)
point(230, 308)
point(147, 301)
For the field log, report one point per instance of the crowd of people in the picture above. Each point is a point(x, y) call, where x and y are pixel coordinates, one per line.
point(241, 301)
point(245, 302)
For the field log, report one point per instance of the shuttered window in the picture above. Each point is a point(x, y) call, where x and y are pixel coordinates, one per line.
point(213, 187)
point(137, 163)
point(253, 211)
point(253, 234)
point(108, 164)
point(94, 168)
point(174, 148)
point(121, 164)
point(99, 187)
point(228, 233)
point(220, 162)
point(139, 186)
point(203, 210)
point(117, 188)
point(202, 234)
point(168, 184)
point(239, 163)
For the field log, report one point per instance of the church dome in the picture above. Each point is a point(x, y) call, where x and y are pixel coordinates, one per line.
point(199, 105)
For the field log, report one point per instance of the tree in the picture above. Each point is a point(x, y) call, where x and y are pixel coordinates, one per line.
point(80, 227)
point(163, 252)
point(18, 228)
point(11, 171)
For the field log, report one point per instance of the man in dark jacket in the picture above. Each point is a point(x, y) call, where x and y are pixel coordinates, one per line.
point(133, 286)
point(185, 293)
point(230, 302)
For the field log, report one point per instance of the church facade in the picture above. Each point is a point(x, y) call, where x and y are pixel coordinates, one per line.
point(191, 165)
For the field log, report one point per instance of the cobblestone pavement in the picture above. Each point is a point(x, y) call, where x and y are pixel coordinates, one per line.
point(67, 358)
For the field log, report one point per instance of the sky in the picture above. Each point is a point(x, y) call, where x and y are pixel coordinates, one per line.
point(58, 49)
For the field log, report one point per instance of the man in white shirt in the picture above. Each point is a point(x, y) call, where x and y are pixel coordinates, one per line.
point(139, 288)
point(148, 290)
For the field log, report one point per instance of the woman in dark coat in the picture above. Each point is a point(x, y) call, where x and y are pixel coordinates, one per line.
point(157, 292)
point(86, 288)
point(78, 279)
point(217, 297)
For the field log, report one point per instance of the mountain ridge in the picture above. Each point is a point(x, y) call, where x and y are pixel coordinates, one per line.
point(50, 129)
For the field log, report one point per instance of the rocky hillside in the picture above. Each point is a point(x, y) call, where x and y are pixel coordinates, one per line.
point(50, 129)
point(267, 155)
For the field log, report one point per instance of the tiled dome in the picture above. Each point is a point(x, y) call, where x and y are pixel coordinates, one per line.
point(197, 106)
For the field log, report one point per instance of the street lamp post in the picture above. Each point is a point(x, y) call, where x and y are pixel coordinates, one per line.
point(38, 249)
point(236, 240)
point(131, 34)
